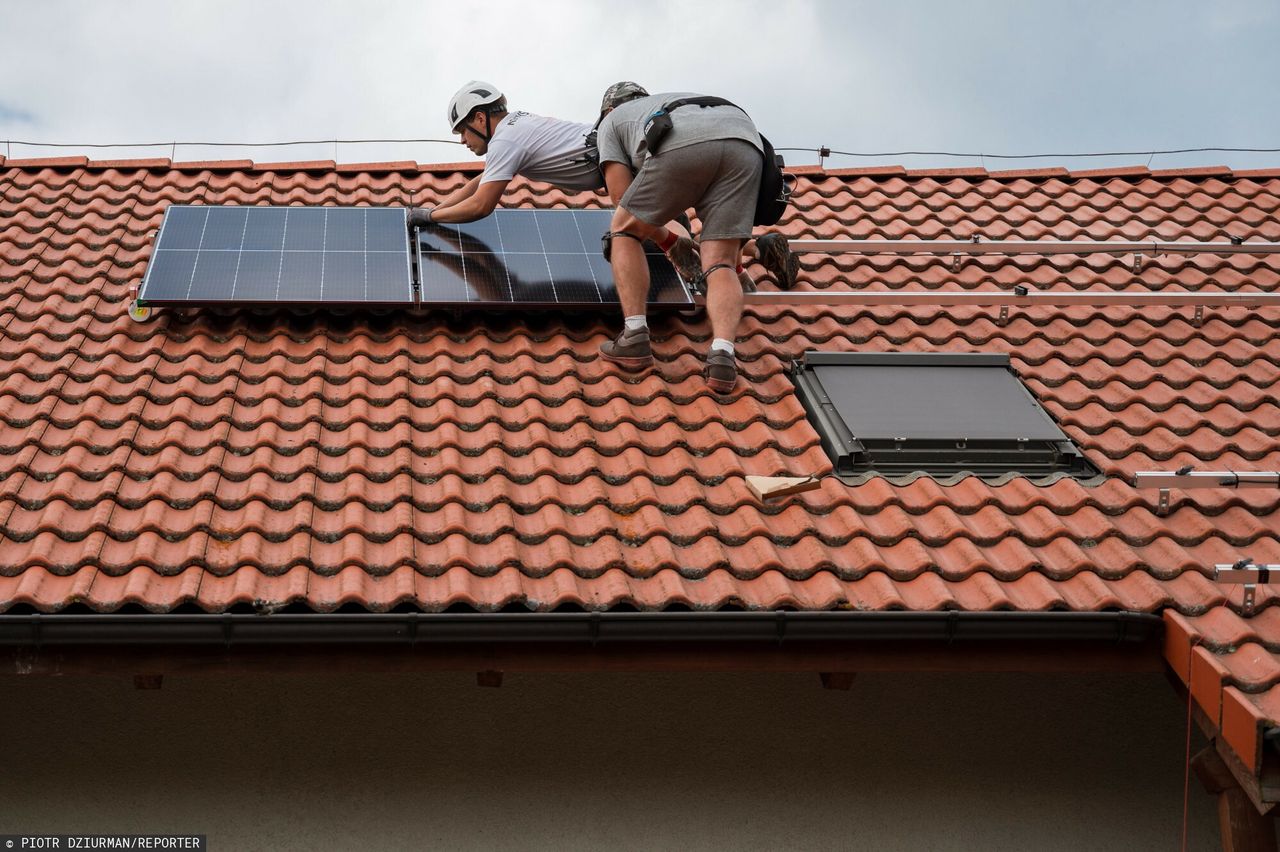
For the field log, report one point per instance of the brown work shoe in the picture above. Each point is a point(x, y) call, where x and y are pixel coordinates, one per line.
point(777, 259)
point(630, 350)
point(685, 258)
point(748, 283)
point(721, 371)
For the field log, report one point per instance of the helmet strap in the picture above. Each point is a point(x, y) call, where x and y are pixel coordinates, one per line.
point(487, 136)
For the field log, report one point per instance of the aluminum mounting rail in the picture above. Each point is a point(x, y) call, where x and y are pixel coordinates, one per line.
point(1244, 571)
point(1206, 479)
point(1020, 297)
point(1185, 478)
point(1042, 247)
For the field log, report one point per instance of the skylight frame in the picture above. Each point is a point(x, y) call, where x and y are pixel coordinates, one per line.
point(1045, 451)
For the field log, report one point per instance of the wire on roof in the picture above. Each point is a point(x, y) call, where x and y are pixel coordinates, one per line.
point(224, 144)
point(826, 152)
point(822, 151)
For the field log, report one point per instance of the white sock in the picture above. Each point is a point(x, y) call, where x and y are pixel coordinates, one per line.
point(636, 323)
point(721, 343)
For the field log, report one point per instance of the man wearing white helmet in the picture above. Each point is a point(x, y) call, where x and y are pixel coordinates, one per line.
point(512, 143)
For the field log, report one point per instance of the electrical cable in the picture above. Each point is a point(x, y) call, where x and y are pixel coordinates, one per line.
point(824, 151)
point(225, 144)
point(1036, 156)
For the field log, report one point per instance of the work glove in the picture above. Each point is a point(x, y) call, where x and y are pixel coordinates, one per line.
point(420, 217)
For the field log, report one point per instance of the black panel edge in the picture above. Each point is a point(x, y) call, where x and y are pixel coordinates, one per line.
point(905, 359)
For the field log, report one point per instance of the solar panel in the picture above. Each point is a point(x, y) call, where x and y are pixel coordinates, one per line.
point(532, 258)
point(218, 255)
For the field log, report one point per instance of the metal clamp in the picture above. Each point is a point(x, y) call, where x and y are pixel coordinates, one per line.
point(1138, 260)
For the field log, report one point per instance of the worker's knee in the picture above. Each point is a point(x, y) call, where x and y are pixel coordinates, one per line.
point(625, 223)
point(715, 252)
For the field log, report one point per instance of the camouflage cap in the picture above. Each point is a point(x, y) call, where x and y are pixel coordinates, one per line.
point(620, 93)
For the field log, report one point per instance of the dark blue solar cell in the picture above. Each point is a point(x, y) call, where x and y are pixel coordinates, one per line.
point(442, 279)
point(482, 235)
point(388, 277)
point(563, 234)
point(169, 274)
point(300, 277)
point(517, 232)
point(258, 276)
point(386, 228)
point(264, 229)
point(225, 228)
point(348, 229)
point(183, 227)
point(215, 274)
point(529, 272)
point(305, 229)
point(345, 276)
point(574, 279)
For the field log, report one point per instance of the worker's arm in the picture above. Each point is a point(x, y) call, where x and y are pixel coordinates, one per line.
point(479, 204)
point(617, 179)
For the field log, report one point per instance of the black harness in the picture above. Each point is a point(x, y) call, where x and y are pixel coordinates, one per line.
point(659, 123)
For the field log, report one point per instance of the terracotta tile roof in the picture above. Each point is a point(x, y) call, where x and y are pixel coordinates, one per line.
point(434, 461)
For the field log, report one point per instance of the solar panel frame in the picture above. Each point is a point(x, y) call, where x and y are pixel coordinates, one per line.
point(395, 279)
point(517, 271)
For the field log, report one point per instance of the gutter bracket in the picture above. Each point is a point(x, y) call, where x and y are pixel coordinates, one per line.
point(953, 624)
point(593, 627)
point(781, 622)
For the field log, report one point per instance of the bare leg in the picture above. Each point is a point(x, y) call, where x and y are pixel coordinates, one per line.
point(630, 269)
point(724, 292)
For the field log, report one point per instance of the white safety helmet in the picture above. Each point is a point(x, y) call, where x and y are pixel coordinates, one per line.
point(471, 97)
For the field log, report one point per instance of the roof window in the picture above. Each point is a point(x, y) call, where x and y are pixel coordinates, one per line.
point(942, 415)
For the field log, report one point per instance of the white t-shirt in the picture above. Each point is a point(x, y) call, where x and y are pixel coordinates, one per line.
point(542, 149)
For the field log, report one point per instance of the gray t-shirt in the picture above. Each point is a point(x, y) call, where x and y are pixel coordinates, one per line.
point(543, 149)
point(621, 133)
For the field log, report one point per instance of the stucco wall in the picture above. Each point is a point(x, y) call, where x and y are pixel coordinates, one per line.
point(902, 761)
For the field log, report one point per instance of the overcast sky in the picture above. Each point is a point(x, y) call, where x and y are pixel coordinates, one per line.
point(995, 77)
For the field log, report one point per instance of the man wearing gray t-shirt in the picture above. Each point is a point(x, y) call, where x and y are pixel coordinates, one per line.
point(711, 160)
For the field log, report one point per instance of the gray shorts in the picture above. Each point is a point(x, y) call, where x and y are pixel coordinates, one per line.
point(719, 179)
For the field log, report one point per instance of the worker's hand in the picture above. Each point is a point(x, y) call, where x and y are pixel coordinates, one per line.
point(420, 217)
